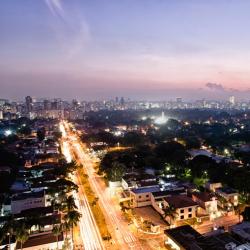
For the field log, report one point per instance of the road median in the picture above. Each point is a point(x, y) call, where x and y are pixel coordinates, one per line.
point(94, 204)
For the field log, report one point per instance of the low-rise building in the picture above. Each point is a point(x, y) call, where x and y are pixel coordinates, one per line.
point(185, 207)
point(45, 241)
point(141, 197)
point(213, 186)
point(136, 180)
point(24, 201)
point(207, 202)
point(187, 238)
point(230, 195)
point(157, 198)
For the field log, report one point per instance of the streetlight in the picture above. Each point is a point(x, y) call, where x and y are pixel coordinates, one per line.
point(9, 239)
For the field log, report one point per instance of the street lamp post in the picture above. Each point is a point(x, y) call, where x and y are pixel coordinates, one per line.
point(9, 240)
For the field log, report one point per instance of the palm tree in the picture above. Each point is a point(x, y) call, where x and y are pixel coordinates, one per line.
point(9, 228)
point(238, 210)
point(70, 203)
point(57, 230)
point(170, 212)
point(22, 234)
point(72, 218)
point(66, 227)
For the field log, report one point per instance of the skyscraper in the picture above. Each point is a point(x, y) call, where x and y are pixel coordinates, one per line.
point(28, 102)
point(232, 100)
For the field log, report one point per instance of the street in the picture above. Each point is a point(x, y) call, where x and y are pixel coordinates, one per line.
point(122, 238)
point(89, 232)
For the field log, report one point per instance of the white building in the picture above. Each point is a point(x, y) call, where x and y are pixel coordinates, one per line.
point(207, 202)
point(141, 197)
point(28, 200)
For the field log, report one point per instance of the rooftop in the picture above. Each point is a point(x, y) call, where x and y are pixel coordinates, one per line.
point(23, 196)
point(227, 190)
point(40, 240)
point(146, 190)
point(204, 196)
point(180, 201)
point(242, 229)
point(36, 211)
point(168, 192)
point(190, 239)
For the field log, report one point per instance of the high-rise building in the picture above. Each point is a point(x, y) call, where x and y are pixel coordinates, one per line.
point(122, 101)
point(179, 100)
point(28, 102)
point(232, 100)
point(46, 105)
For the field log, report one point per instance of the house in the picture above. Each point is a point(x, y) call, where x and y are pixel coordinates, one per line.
point(141, 197)
point(40, 242)
point(185, 207)
point(136, 180)
point(207, 202)
point(27, 200)
point(157, 198)
point(46, 224)
point(212, 186)
point(230, 195)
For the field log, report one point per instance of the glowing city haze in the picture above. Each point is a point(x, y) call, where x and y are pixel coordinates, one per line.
point(135, 48)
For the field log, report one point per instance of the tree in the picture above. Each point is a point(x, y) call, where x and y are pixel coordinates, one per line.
point(173, 152)
point(170, 212)
point(70, 203)
point(22, 234)
point(65, 185)
point(133, 139)
point(116, 172)
point(41, 134)
point(7, 229)
point(57, 230)
point(239, 210)
point(66, 227)
point(200, 166)
point(25, 130)
point(173, 124)
point(246, 214)
point(72, 218)
point(57, 135)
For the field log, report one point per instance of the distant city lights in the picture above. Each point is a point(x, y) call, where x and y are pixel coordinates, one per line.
point(8, 132)
point(161, 119)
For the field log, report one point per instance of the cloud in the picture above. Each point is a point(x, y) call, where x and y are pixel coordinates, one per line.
point(71, 28)
point(215, 86)
point(55, 7)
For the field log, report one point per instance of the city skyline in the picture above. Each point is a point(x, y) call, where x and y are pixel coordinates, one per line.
point(151, 50)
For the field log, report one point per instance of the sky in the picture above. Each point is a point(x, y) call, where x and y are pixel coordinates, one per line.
point(140, 49)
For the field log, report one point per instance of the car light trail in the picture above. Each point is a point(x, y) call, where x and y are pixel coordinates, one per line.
point(89, 231)
point(123, 237)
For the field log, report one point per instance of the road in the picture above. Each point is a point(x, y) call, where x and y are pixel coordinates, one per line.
point(90, 236)
point(122, 237)
point(225, 221)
